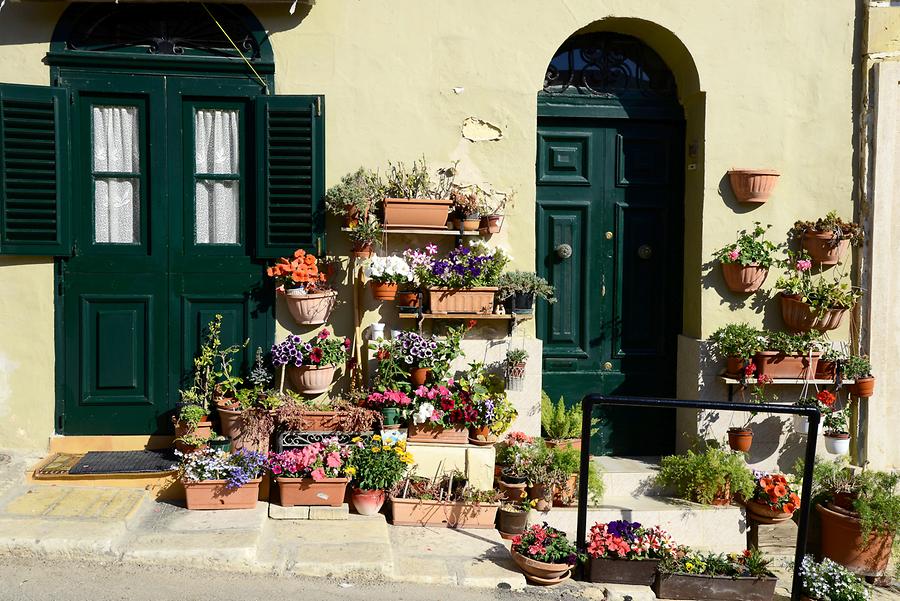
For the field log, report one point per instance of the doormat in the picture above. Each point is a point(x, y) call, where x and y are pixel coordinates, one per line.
point(57, 465)
point(124, 462)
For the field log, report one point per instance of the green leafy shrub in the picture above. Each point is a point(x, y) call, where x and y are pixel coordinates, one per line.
point(557, 421)
point(736, 340)
point(703, 475)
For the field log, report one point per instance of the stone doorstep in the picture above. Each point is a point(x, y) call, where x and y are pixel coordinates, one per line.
point(309, 512)
point(629, 476)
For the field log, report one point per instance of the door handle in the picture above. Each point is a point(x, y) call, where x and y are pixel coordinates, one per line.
point(563, 251)
point(644, 251)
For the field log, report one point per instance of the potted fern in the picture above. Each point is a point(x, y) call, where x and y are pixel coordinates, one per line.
point(561, 425)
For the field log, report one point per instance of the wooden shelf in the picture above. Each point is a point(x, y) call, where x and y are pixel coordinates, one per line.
point(424, 231)
point(493, 316)
point(779, 381)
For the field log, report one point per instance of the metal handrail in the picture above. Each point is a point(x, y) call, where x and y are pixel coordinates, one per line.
point(595, 400)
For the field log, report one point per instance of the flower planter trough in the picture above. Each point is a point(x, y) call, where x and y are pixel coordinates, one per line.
point(306, 491)
point(622, 571)
point(213, 494)
point(779, 365)
point(449, 514)
point(462, 300)
point(726, 588)
point(430, 433)
point(425, 213)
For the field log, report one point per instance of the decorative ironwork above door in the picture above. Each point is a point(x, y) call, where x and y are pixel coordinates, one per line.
point(608, 65)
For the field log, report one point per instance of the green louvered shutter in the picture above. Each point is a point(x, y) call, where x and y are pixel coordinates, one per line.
point(290, 205)
point(34, 182)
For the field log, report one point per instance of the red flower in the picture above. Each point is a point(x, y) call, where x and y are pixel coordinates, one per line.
point(347, 343)
point(750, 369)
point(324, 334)
point(471, 323)
point(826, 398)
point(315, 355)
point(382, 354)
point(765, 379)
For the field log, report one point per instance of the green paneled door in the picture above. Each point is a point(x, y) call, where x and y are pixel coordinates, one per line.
point(609, 237)
point(162, 230)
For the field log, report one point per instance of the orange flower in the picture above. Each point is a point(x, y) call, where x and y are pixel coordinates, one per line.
point(780, 491)
point(765, 483)
point(795, 499)
point(789, 507)
point(299, 253)
point(779, 479)
point(310, 259)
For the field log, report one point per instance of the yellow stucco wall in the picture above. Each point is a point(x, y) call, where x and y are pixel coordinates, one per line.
point(767, 83)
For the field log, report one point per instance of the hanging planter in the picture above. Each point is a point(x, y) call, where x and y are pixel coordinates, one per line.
point(828, 238)
point(823, 249)
point(515, 375)
point(837, 443)
point(753, 185)
point(490, 224)
point(740, 439)
point(386, 274)
point(799, 316)
point(801, 424)
point(862, 387)
point(310, 309)
point(744, 278)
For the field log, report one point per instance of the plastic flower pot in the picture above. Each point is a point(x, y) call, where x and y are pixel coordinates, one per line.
point(523, 303)
point(310, 309)
point(799, 316)
point(449, 514)
point(310, 379)
point(214, 494)
point(842, 542)
point(753, 185)
point(462, 300)
point(391, 416)
point(744, 278)
point(763, 514)
point(490, 224)
point(837, 443)
point(426, 213)
point(862, 387)
point(822, 249)
point(740, 439)
point(418, 376)
point(539, 572)
point(367, 502)
point(383, 291)
point(223, 444)
point(306, 491)
point(801, 424)
point(724, 588)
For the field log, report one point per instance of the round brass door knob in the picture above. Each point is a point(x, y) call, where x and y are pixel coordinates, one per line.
point(607, 366)
point(644, 251)
point(563, 251)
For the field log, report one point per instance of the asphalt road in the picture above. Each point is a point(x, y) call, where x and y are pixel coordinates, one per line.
point(41, 579)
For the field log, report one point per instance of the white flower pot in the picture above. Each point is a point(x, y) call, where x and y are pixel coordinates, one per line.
point(837, 446)
point(801, 424)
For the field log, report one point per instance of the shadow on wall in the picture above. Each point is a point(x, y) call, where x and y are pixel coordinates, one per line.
point(29, 23)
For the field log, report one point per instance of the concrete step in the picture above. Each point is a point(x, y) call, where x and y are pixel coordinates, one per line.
point(630, 476)
point(717, 529)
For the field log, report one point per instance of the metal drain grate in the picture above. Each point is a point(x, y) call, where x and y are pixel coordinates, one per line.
point(124, 462)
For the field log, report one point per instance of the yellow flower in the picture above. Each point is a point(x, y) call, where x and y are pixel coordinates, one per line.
point(376, 437)
point(407, 458)
point(376, 449)
point(401, 444)
point(386, 448)
point(689, 567)
point(351, 471)
point(398, 450)
point(356, 439)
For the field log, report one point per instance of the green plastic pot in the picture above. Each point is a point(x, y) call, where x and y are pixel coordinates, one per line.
point(391, 416)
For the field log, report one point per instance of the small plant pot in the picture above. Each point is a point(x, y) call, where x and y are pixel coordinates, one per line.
point(753, 185)
point(408, 301)
point(511, 523)
point(826, 370)
point(538, 493)
point(367, 502)
point(744, 279)
point(822, 249)
point(481, 436)
point(471, 224)
point(837, 443)
point(801, 424)
point(523, 303)
point(763, 514)
point(351, 219)
point(418, 376)
point(361, 250)
point(799, 316)
point(391, 416)
point(223, 444)
point(383, 291)
point(734, 366)
point(842, 541)
point(309, 379)
point(310, 309)
point(203, 430)
point(490, 224)
point(539, 572)
point(862, 387)
point(740, 439)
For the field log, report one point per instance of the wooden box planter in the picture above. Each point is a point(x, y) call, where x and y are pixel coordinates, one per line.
point(310, 309)
point(449, 514)
point(213, 494)
point(821, 249)
point(424, 213)
point(437, 434)
point(753, 185)
point(726, 588)
point(799, 316)
point(779, 365)
point(462, 300)
point(622, 571)
point(306, 491)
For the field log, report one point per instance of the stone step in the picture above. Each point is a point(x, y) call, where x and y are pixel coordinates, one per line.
point(630, 476)
point(705, 527)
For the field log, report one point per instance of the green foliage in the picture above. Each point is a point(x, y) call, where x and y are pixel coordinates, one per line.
point(377, 464)
point(447, 351)
point(821, 293)
point(203, 387)
point(792, 344)
point(839, 229)
point(525, 281)
point(260, 376)
point(191, 415)
point(514, 356)
point(557, 421)
point(829, 581)
point(415, 181)
point(750, 249)
point(701, 476)
point(736, 340)
point(858, 366)
point(360, 190)
point(750, 563)
point(567, 460)
point(366, 231)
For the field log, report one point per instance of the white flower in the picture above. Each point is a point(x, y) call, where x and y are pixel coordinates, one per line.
point(423, 414)
point(391, 268)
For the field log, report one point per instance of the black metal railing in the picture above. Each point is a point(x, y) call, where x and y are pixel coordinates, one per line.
point(596, 400)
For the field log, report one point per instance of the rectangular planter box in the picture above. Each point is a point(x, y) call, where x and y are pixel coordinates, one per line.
point(623, 571)
point(778, 365)
point(685, 586)
point(212, 494)
point(306, 491)
point(437, 434)
point(416, 213)
point(320, 421)
point(462, 300)
point(416, 512)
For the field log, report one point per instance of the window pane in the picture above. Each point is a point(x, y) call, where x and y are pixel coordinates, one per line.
point(115, 134)
point(216, 141)
point(216, 211)
point(117, 208)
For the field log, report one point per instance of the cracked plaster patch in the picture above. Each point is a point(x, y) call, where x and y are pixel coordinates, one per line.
point(479, 130)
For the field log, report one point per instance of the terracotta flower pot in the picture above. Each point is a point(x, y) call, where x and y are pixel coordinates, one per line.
point(306, 491)
point(384, 291)
point(490, 224)
point(837, 443)
point(778, 365)
point(319, 421)
point(449, 514)
point(740, 439)
point(213, 494)
point(481, 436)
point(734, 366)
point(842, 542)
point(763, 514)
point(437, 434)
point(231, 424)
point(311, 309)
point(862, 387)
point(418, 376)
point(799, 316)
point(564, 443)
point(423, 213)
point(753, 185)
point(351, 219)
point(367, 502)
point(538, 492)
point(309, 379)
point(361, 250)
point(462, 300)
point(512, 491)
point(826, 370)
point(744, 278)
point(203, 430)
point(821, 248)
point(540, 572)
point(408, 299)
point(723, 496)
point(511, 523)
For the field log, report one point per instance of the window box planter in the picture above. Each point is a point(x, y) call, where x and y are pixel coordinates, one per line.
point(309, 379)
point(213, 494)
point(744, 278)
point(726, 588)
point(753, 185)
point(821, 248)
point(310, 309)
point(462, 300)
point(799, 316)
point(779, 365)
point(539, 572)
point(431, 433)
point(842, 542)
point(622, 571)
point(449, 514)
point(306, 491)
point(416, 213)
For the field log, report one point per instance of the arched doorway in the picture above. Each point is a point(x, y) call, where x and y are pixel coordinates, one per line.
point(610, 223)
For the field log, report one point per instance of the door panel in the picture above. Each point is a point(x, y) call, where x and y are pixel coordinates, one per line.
point(611, 189)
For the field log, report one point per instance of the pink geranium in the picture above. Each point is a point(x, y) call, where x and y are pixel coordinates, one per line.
point(734, 254)
point(804, 265)
point(326, 459)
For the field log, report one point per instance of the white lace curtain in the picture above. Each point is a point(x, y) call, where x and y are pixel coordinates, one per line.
point(217, 201)
point(117, 201)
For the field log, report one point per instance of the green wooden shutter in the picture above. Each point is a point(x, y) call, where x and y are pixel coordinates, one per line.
point(291, 145)
point(34, 182)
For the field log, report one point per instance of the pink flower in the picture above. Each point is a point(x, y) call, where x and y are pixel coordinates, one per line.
point(431, 249)
point(804, 265)
point(333, 460)
point(318, 474)
point(276, 469)
point(324, 334)
point(734, 254)
point(536, 550)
